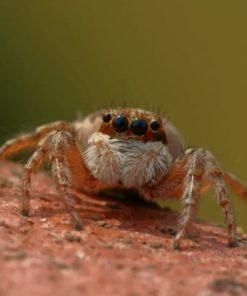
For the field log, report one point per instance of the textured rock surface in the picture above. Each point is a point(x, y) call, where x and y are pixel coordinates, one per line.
point(124, 248)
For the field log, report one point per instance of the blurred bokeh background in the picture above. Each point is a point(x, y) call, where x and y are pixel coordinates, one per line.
point(186, 58)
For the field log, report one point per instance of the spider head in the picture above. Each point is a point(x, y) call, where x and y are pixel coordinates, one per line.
point(129, 148)
point(133, 124)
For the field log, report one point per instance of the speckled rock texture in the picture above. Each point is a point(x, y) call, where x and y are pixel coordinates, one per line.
point(124, 249)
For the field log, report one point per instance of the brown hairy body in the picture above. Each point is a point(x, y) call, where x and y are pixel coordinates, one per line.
point(126, 149)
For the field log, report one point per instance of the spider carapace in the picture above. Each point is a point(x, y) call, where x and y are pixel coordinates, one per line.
point(127, 149)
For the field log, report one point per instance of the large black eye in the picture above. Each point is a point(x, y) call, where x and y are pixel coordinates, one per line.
point(106, 117)
point(120, 123)
point(155, 125)
point(139, 127)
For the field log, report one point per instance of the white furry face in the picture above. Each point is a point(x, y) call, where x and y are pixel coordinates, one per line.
point(126, 162)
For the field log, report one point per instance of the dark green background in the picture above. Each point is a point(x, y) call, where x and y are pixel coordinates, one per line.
point(188, 58)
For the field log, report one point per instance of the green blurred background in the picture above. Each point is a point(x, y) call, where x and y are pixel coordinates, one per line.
point(187, 58)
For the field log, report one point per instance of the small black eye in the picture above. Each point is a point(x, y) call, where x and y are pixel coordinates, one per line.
point(139, 127)
point(155, 125)
point(120, 123)
point(106, 117)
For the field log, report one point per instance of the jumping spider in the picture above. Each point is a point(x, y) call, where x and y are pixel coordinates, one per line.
point(126, 149)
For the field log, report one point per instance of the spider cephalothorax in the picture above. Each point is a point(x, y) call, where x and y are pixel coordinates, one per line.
point(131, 146)
point(126, 149)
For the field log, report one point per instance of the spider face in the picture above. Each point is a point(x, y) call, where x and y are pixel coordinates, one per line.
point(133, 123)
point(129, 149)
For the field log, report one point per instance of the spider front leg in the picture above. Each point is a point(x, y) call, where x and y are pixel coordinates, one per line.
point(58, 146)
point(30, 168)
point(67, 168)
point(185, 180)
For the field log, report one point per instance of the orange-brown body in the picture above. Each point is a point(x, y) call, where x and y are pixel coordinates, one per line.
point(126, 149)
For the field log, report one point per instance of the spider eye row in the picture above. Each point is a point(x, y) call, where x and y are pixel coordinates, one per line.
point(138, 126)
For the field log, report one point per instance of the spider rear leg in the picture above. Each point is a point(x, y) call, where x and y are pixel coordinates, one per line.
point(31, 139)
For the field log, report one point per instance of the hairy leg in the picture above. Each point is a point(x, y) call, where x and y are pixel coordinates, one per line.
point(185, 179)
point(29, 140)
point(34, 162)
point(67, 168)
point(190, 196)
